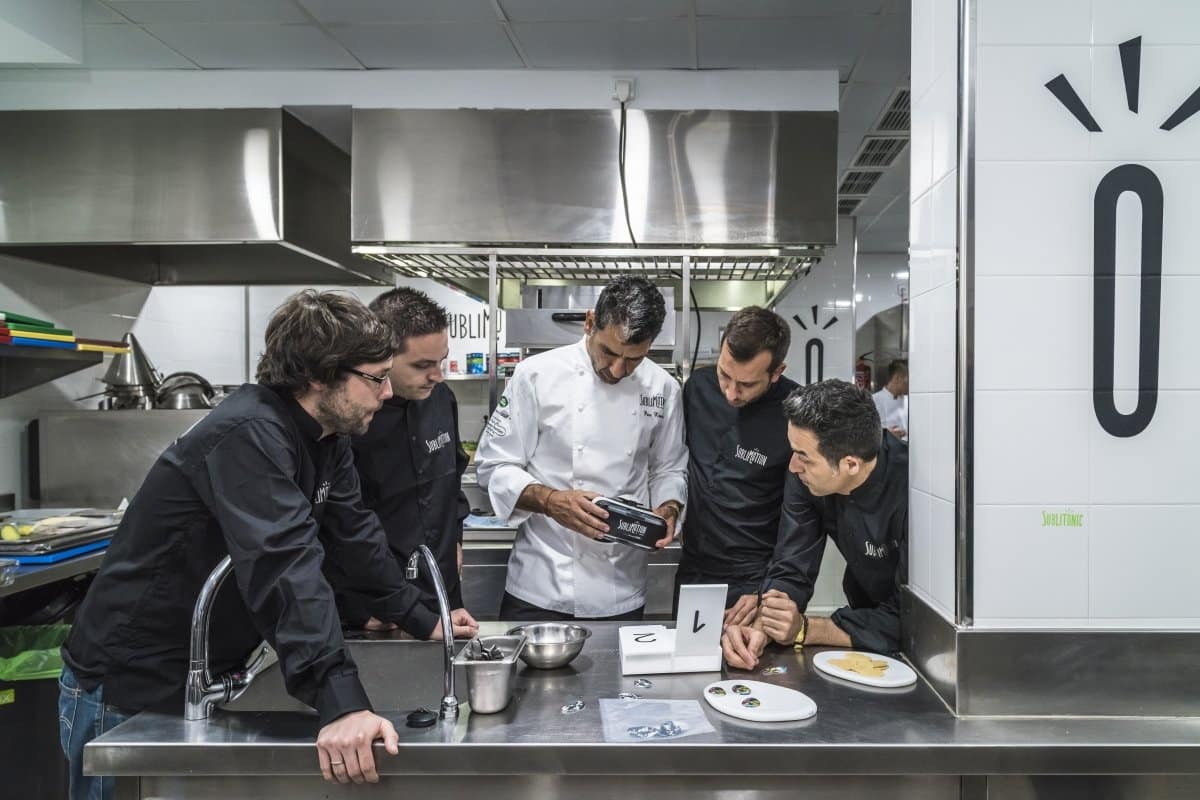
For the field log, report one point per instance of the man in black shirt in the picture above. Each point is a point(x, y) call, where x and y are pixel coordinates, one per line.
point(738, 461)
point(849, 482)
point(410, 461)
point(267, 478)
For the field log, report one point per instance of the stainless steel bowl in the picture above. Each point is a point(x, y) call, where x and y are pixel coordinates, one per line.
point(549, 645)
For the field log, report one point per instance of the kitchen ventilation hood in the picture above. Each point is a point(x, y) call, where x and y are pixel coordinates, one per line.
point(182, 196)
point(746, 195)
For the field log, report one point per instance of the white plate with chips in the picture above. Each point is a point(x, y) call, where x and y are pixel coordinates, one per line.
point(759, 702)
point(869, 669)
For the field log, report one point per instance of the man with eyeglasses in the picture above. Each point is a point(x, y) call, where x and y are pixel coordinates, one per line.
point(410, 462)
point(268, 479)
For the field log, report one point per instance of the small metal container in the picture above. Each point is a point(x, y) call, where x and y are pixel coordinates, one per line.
point(489, 683)
point(550, 645)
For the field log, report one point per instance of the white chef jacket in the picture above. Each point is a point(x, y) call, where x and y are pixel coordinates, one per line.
point(559, 425)
point(893, 411)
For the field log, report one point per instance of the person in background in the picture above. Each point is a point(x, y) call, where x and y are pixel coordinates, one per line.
point(849, 482)
point(738, 460)
point(410, 463)
point(589, 419)
point(892, 400)
point(268, 479)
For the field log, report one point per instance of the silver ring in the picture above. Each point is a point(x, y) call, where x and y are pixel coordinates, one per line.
point(336, 763)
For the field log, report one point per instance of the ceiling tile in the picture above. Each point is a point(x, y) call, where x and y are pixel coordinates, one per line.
point(438, 45)
point(577, 10)
point(177, 11)
point(127, 47)
point(363, 12)
point(886, 59)
point(253, 46)
point(796, 43)
point(861, 105)
point(95, 13)
point(787, 8)
point(653, 44)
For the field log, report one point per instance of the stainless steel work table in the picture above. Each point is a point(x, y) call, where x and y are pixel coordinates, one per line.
point(902, 742)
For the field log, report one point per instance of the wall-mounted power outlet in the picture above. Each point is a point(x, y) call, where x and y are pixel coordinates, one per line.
point(622, 90)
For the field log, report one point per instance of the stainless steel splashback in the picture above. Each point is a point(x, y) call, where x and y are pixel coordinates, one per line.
point(693, 178)
point(179, 196)
point(95, 458)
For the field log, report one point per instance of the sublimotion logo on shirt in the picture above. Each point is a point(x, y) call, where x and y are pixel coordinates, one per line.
point(1145, 185)
point(750, 456)
point(322, 494)
point(441, 441)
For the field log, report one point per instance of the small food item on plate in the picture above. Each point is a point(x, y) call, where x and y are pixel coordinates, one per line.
point(861, 664)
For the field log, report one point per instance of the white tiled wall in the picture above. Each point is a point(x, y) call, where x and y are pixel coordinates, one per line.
point(933, 190)
point(1128, 560)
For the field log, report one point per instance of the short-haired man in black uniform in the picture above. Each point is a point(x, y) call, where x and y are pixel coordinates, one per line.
point(410, 462)
point(738, 461)
point(268, 479)
point(849, 483)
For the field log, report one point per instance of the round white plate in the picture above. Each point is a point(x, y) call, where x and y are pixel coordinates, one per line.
point(759, 702)
point(896, 675)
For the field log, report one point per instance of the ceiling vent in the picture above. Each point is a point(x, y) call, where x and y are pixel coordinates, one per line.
point(879, 152)
point(898, 116)
point(858, 182)
point(848, 205)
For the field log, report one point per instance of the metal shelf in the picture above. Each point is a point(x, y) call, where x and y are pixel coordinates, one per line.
point(593, 265)
point(473, 377)
point(23, 368)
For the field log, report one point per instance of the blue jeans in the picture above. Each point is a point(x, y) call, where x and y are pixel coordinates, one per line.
point(82, 716)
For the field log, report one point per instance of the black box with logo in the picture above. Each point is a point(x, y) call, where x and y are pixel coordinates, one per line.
point(631, 524)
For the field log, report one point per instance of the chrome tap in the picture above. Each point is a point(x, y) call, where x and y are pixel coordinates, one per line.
point(449, 700)
point(203, 691)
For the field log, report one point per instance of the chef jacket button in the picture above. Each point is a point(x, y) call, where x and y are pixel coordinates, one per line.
point(628, 452)
point(579, 407)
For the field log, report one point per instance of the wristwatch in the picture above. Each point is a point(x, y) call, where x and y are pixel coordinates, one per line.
point(676, 506)
point(798, 642)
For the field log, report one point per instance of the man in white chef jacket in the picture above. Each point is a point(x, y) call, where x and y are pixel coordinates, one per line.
point(595, 418)
point(892, 400)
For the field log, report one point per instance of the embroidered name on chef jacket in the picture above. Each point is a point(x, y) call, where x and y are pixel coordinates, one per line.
point(441, 441)
point(876, 551)
point(750, 456)
point(322, 494)
point(653, 405)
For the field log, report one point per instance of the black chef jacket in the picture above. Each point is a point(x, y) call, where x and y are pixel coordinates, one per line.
point(410, 463)
point(870, 528)
point(253, 480)
point(737, 463)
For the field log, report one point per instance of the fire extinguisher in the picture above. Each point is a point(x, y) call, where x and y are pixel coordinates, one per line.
point(862, 371)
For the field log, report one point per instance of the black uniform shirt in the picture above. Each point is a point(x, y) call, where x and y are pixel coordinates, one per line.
point(870, 528)
point(253, 480)
point(737, 462)
point(410, 463)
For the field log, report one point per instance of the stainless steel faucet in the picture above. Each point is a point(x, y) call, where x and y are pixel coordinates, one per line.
point(203, 691)
point(449, 700)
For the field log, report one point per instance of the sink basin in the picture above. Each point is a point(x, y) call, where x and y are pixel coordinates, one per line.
point(398, 674)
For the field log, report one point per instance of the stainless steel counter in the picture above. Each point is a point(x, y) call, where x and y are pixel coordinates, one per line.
point(857, 733)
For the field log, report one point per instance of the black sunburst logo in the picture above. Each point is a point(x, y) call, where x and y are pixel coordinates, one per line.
point(814, 348)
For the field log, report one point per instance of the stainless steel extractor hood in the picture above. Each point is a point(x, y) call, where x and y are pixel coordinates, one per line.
point(179, 196)
point(428, 179)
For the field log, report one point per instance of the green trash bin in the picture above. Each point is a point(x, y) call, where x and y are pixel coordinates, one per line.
point(32, 757)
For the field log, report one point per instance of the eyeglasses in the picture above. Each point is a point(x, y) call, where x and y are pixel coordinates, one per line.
point(375, 379)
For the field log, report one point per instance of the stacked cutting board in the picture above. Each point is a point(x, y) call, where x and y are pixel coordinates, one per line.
point(18, 330)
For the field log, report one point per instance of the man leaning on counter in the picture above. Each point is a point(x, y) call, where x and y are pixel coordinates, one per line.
point(738, 460)
point(849, 482)
point(410, 463)
point(268, 479)
point(596, 418)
